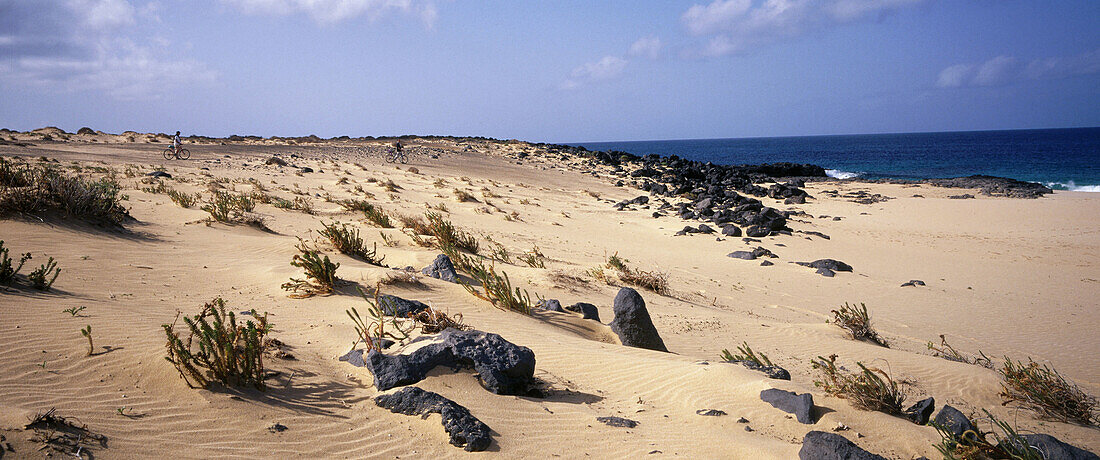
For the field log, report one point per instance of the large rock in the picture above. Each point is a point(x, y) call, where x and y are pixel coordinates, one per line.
point(503, 367)
point(819, 445)
point(395, 306)
point(550, 305)
point(920, 412)
point(587, 310)
point(731, 230)
point(773, 372)
point(1053, 449)
point(632, 322)
point(464, 429)
point(956, 423)
point(801, 405)
point(441, 268)
point(829, 264)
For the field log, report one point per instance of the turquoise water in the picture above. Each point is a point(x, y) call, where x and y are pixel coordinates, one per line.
point(1063, 159)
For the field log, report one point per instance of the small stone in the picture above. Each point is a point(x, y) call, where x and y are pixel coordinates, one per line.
point(277, 428)
point(710, 412)
point(617, 422)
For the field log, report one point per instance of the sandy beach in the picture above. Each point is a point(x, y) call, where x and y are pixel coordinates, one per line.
point(1006, 277)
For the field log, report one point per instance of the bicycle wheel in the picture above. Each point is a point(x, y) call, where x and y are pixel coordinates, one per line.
point(169, 153)
point(184, 154)
point(404, 158)
point(391, 157)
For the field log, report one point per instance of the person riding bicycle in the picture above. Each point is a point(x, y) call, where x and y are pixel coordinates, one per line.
point(176, 142)
point(397, 146)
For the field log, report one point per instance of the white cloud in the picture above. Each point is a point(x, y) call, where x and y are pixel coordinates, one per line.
point(649, 47)
point(91, 45)
point(605, 69)
point(1007, 69)
point(735, 25)
point(331, 11)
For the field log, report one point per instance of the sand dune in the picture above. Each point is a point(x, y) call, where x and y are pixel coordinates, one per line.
point(1004, 276)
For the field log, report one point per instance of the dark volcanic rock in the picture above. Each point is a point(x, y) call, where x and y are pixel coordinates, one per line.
point(965, 196)
point(831, 264)
point(766, 263)
point(731, 230)
point(395, 306)
point(955, 422)
point(710, 412)
point(826, 272)
point(798, 199)
point(704, 228)
point(1053, 449)
point(757, 231)
point(752, 255)
point(306, 169)
point(275, 161)
point(159, 174)
point(441, 268)
point(773, 372)
point(503, 367)
point(801, 405)
point(994, 186)
point(617, 422)
point(464, 429)
point(550, 305)
point(588, 310)
point(819, 445)
point(920, 412)
point(632, 322)
point(913, 283)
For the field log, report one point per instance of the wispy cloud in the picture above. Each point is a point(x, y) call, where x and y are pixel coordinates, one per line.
point(88, 45)
point(1008, 69)
point(732, 26)
point(649, 47)
point(332, 11)
point(604, 69)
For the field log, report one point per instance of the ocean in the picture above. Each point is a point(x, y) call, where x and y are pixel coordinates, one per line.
point(1062, 159)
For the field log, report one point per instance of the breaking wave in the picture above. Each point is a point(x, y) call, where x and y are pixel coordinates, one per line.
point(838, 174)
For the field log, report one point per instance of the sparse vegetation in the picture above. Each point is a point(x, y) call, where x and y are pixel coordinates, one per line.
point(229, 208)
point(867, 389)
point(432, 321)
point(87, 333)
point(299, 203)
point(533, 258)
point(1044, 390)
point(218, 349)
point(26, 189)
point(73, 311)
point(7, 270)
point(495, 289)
point(948, 352)
point(463, 196)
point(857, 321)
point(44, 276)
point(497, 251)
point(320, 274)
point(346, 240)
point(387, 240)
point(745, 353)
point(1007, 445)
point(184, 200)
point(653, 280)
point(372, 333)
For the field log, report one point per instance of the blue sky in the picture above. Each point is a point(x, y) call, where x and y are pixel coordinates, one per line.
point(558, 71)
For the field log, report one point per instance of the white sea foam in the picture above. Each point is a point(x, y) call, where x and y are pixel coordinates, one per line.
point(1068, 185)
point(838, 174)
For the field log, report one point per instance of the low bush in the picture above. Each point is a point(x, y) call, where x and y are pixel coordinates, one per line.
point(1044, 390)
point(655, 281)
point(184, 200)
point(495, 289)
point(948, 352)
point(228, 208)
point(1006, 443)
point(346, 240)
point(868, 389)
point(44, 276)
point(297, 204)
point(857, 321)
point(26, 188)
point(7, 270)
point(320, 274)
point(372, 332)
point(533, 258)
point(219, 349)
point(432, 321)
point(746, 354)
point(448, 236)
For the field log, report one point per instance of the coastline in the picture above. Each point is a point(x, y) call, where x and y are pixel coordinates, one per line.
point(1006, 276)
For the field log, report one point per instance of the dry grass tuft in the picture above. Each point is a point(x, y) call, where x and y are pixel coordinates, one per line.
point(1043, 390)
point(858, 322)
point(868, 389)
point(745, 353)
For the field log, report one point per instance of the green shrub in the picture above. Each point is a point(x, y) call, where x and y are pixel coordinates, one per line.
point(347, 241)
point(7, 271)
point(495, 289)
point(948, 352)
point(858, 322)
point(26, 188)
point(43, 276)
point(320, 274)
point(533, 258)
point(868, 389)
point(373, 332)
point(229, 208)
point(183, 199)
point(448, 236)
point(1008, 444)
point(218, 349)
point(746, 354)
point(1044, 390)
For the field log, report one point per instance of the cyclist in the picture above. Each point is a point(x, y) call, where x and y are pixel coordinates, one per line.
point(397, 146)
point(176, 142)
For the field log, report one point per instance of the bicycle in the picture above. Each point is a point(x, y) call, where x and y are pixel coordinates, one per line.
point(177, 153)
point(395, 155)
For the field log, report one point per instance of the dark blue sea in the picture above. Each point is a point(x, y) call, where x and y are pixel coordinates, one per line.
point(1063, 159)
